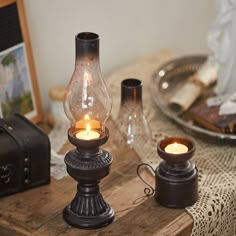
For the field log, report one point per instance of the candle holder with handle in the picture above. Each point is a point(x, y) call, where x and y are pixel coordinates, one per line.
point(176, 178)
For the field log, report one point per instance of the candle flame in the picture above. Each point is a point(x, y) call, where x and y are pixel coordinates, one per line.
point(86, 117)
point(175, 145)
point(88, 128)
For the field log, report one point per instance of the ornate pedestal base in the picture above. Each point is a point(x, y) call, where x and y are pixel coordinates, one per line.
point(88, 164)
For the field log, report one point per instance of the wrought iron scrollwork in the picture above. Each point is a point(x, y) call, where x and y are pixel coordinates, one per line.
point(149, 191)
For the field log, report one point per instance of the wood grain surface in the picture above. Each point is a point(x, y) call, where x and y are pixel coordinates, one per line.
point(39, 211)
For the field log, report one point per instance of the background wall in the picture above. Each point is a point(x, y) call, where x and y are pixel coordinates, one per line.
point(128, 29)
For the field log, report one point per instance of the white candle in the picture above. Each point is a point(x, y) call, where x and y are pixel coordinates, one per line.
point(176, 148)
point(87, 134)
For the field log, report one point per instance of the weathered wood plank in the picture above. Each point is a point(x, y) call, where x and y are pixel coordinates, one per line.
point(146, 219)
point(181, 226)
point(122, 198)
point(33, 208)
point(7, 229)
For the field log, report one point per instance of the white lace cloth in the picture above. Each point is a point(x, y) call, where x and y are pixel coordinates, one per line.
point(214, 214)
point(58, 137)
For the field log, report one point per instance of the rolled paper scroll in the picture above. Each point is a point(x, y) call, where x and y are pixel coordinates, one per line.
point(185, 96)
point(194, 86)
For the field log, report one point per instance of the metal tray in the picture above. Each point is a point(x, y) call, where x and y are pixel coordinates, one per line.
point(166, 81)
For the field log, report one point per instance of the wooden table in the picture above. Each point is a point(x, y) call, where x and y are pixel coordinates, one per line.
point(39, 211)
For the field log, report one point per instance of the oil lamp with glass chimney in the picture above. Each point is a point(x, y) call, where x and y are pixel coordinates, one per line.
point(87, 104)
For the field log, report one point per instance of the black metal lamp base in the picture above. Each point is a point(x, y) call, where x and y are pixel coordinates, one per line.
point(88, 164)
point(176, 186)
point(89, 222)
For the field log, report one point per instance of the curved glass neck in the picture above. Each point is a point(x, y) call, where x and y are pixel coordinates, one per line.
point(88, 64)
point(87, 101)
point(87, 46)
point(87, 52)
point(131, 91)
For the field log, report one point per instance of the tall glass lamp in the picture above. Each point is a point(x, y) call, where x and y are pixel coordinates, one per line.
point(87, 104)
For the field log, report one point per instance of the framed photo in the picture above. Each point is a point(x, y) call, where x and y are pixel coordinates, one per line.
point(18, 84)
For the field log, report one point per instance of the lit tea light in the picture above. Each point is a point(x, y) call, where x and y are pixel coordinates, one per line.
point(176, 148)
point(87, 134)
point(82, 124)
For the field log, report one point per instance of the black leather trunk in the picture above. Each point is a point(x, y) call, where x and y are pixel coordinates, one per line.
point(24, 155)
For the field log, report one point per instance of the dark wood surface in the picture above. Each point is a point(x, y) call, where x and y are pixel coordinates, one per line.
point(39, 211)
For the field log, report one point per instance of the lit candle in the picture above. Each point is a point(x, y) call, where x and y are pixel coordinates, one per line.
point(176, 148)
point(81, 124)
point(87, 134)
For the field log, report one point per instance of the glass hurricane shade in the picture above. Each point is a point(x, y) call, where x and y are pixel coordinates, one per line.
point(131, 121)
point(87, 101)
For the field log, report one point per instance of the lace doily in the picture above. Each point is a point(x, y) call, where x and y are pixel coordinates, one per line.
point(58, 138)
point(215, 212)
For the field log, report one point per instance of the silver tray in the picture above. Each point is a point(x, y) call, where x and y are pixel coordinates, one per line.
point(166, 81)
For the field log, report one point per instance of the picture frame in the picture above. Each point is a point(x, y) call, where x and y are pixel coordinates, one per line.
point(19, 91)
